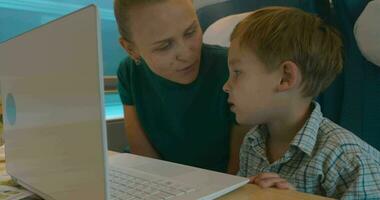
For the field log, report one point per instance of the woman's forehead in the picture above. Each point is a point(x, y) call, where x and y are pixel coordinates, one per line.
point(161, 20)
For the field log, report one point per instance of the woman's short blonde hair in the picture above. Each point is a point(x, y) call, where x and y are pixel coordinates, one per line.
point(278, 34)
point(121, 10)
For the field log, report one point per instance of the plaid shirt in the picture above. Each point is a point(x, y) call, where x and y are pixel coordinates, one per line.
point(323, 159)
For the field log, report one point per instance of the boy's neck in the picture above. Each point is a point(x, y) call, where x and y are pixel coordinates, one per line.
point(283, 129)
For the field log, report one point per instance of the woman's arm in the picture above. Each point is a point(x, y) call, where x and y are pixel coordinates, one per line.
point(138, 141)
point(237, 135)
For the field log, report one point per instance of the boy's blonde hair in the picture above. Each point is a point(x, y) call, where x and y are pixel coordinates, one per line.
point(278, 34)
point(121, 10)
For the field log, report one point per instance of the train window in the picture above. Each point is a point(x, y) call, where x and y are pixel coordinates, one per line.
point(19, 16)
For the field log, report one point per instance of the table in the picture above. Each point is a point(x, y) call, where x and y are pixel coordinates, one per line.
point(250, 191)
point(247, 192)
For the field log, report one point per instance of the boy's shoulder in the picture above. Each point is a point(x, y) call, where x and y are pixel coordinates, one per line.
point(338, 141)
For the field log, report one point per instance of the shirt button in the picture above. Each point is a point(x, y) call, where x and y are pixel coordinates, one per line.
point(266, 170)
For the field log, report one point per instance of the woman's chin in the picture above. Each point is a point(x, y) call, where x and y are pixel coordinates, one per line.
point(189, 77)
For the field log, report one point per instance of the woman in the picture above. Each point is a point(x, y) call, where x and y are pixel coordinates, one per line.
point(171, 86)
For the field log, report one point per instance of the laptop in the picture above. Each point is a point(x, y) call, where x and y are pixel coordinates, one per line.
point(54, 126)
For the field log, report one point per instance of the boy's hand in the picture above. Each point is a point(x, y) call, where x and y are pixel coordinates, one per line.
point(267, 180)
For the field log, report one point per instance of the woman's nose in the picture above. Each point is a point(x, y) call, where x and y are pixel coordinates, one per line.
point(184, 52)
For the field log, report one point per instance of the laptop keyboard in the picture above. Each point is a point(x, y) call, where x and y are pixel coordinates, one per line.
point(125, 185)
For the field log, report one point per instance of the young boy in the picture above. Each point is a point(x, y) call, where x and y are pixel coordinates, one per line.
point(279, 60)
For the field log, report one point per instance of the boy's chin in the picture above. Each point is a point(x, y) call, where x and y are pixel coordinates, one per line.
point(240, 120)
point(244, 121)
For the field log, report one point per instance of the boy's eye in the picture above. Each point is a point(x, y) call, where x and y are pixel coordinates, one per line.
point(237, 72)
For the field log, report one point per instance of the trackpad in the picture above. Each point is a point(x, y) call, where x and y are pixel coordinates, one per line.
point(164, 169)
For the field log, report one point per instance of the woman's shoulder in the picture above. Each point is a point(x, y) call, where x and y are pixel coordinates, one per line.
point(215, 50)
point(127, 66)
point(126, 63)
point(214, 62)
point(214, 56)
point(127, 69)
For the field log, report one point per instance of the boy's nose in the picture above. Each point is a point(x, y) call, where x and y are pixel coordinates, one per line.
point(226, 86)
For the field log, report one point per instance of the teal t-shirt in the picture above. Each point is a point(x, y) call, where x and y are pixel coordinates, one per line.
point(186, 123)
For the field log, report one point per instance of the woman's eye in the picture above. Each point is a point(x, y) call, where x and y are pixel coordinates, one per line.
point(164, 47)
point(190, 33)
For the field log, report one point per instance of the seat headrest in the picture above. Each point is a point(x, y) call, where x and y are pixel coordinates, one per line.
point(219, 32)
point(367, 32)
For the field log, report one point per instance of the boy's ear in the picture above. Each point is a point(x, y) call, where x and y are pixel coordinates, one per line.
point(290, 76)
point(129, 48)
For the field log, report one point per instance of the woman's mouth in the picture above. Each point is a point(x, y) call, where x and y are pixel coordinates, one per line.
point(187, 69)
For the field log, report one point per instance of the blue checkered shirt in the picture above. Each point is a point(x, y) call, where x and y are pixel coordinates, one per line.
point(323, 158)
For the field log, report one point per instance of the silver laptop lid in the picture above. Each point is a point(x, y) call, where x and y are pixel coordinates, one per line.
point(52, 85)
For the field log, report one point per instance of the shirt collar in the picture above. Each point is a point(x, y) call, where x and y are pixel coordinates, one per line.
point(306, 138)
point(257, 139)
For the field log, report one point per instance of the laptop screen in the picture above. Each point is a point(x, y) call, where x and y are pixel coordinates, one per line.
point(52, 93)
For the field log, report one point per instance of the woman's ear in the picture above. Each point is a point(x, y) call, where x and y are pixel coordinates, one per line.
point(129, 48)
point(290, 76)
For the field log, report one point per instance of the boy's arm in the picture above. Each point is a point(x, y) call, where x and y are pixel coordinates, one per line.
point(267, 180)
point(237, 135)
point(353, 176)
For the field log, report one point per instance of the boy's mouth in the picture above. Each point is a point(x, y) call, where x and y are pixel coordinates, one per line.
point(232, 106)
